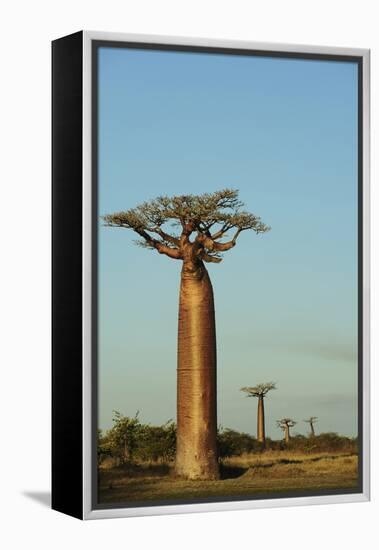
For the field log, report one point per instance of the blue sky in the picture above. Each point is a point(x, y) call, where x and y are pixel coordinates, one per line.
point(283, 132)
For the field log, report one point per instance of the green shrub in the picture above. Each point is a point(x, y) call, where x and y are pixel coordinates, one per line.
point(233, 443)
point(157, 442)
point(130, 441)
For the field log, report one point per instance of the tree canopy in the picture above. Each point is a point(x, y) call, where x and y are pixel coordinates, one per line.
point(167, 223)
point(260, 390)
point(311, 420)
point(286, 422)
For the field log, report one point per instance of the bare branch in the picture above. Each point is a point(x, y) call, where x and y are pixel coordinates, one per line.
point(242, 221)
point(162, 247)
point(168, 251)
point(211, 259)
point(311, 420)
point(286, 422)
point(166, 236)
point(222, 247)
point(221, 232)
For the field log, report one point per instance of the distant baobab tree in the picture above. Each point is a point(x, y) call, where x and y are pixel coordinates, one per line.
point(285, 424)
point(200, 224)
point(260, 391)
point(311, 421)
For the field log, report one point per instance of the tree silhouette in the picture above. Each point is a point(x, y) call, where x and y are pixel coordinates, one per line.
point(192, 229)
point(285, 424)
point(311, 421)
point(260, 391)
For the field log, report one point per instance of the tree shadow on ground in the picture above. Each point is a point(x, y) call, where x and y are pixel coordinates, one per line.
point(131, 470)
point(231, 472)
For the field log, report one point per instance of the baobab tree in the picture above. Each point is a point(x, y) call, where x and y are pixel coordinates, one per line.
point(311, 421)
point(285, 424)
point(196, 235)
point(260, 391)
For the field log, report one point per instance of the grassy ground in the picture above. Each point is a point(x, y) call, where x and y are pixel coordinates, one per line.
point(249, 475)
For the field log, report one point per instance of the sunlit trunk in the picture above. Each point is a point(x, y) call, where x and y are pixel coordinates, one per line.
point(287, 434)
point(261, 436)
point(196, 453)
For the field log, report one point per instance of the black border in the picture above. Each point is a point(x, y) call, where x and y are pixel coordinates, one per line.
point(96, 44)
point(67, 401)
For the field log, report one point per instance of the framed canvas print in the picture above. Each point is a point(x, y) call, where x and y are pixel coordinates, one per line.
point(210, 275)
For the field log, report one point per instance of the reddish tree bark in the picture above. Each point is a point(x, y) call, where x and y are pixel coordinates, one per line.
point(196, 453)
point(261, 432)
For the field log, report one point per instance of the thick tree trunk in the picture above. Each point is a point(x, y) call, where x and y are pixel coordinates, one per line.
point(312, 430)
point(196, 452)
point(287, 434)
point(261, 436)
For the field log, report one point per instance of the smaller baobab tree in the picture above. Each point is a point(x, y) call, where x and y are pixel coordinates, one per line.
point(311, 421)
point(285, 424)
point(260, 391)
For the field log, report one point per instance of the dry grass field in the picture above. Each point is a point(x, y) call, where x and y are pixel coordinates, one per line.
point(248, 475)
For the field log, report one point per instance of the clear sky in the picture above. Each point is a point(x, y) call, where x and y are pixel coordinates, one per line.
point(283, 132)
